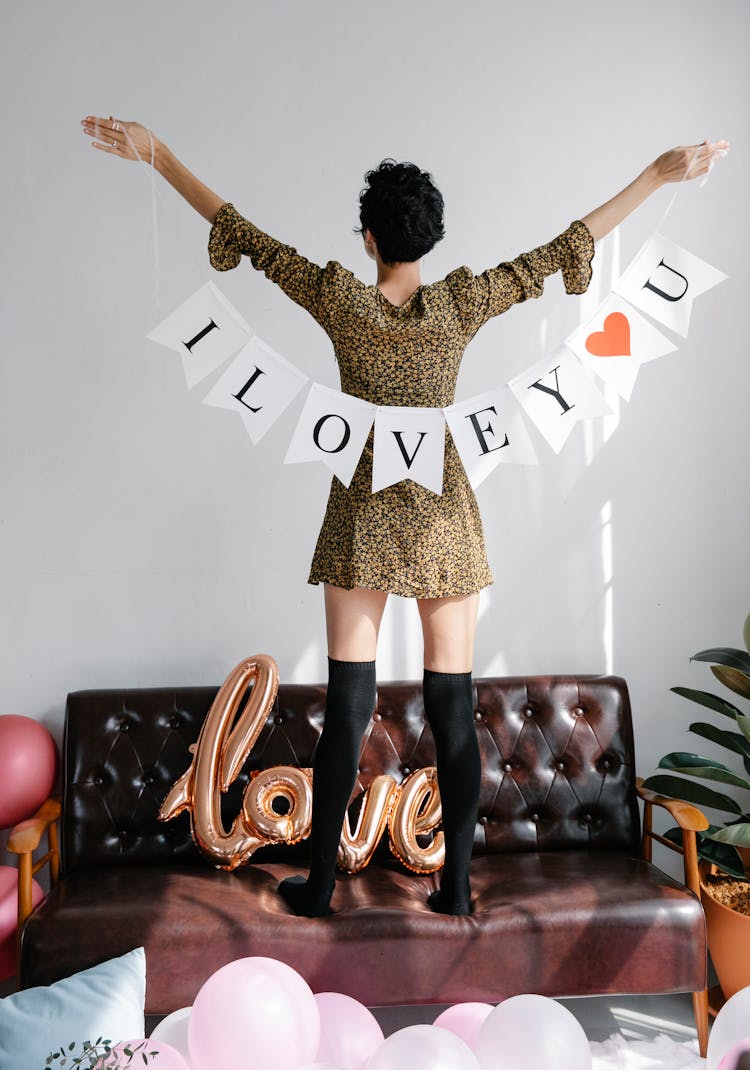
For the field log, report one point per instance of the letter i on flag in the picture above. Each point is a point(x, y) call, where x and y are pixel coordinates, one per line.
point(332, 428)
point(664, 279)
point(409, 444)
point(488, 430)
point(258, 385)
point(205, 330)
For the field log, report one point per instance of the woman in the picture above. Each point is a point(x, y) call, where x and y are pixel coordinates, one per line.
point(398, 342)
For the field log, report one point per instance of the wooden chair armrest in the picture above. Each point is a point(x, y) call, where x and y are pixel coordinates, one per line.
point(27, 835)
point(685, 814)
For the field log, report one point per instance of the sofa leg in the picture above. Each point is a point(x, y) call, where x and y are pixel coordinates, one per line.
point(700, 1010)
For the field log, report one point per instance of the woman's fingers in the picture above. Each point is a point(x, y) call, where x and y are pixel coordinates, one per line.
point(128, 140)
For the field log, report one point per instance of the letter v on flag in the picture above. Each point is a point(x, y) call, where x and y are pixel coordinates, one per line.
point(205, 330)
point(409, 444)
point(332, 428)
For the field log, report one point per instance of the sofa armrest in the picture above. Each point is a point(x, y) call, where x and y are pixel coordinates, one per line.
point(24, 840)
point(688, 817)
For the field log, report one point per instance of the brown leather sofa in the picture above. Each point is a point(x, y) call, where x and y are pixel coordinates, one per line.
point(567, 902)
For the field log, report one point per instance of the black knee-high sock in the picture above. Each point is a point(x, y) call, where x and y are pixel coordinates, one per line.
point(449, 709)
point(350, 701)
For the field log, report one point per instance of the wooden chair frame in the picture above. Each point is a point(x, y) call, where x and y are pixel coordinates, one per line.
point(24, 840)
point(26, 837)
point(691, 820)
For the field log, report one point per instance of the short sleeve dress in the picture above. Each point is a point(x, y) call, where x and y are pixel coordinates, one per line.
point(405, 538)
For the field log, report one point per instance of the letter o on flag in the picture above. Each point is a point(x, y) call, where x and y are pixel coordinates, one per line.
point(318, 430)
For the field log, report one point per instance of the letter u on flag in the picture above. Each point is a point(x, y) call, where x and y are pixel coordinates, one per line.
point(409, 444)
point(332, 428)
point(205, 330)
point(663, 280)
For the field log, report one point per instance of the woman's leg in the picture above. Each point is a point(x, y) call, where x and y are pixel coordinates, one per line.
point(352, 622)
point(449, 626)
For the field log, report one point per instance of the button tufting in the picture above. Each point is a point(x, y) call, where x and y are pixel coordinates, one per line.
point(606, 763)
point(405, 769)
point(123, 834)
point(124, 726)
point(98, 780)
point(478, 715)
point(508, 767)
point(377, 717)
point(578, 711)
point(175, 722)
point(278, 719)
point(559, 765)
point(533, 817)
point(148, 779)
point(483, 820)
point(528, 712)
point(587, 817)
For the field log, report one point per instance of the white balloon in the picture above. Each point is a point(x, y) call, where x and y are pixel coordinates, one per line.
point(320, 1066)
point(423, 1047)
point(174, 1030)
point(730, 1026)
point(528, 1032)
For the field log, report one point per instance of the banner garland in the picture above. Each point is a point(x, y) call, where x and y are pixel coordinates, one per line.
point(555, 392)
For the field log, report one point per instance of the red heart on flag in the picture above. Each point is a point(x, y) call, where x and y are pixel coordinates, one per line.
point(614, 340)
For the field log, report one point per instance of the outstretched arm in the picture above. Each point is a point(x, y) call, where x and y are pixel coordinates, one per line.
point(133, 141)
point(231, 235)
point(684, 162)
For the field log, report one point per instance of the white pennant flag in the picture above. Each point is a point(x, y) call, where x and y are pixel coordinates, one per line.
point(488, 430)
point(332, 428)
point(205, 330)
point(556, 393)
point(258, 385)
point(616, 341)
point(664, 279)
point(409, 444)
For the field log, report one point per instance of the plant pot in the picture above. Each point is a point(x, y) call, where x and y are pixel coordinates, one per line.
point(728, 933)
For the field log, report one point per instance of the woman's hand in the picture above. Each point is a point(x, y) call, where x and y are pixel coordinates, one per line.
point(688, 161)
point(129, 141)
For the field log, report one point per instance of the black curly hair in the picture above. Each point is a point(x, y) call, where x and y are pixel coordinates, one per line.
point(403, 208)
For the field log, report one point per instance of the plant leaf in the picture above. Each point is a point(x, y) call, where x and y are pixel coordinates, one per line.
point(734, 741)
point(688, 791)
point(705, 768)
point(705, 698)
point(737, 834)
point(721, 854)
point(733, 679)
point(725, 655)
point(744, 724)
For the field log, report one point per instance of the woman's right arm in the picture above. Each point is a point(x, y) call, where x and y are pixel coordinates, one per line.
point(133, 141)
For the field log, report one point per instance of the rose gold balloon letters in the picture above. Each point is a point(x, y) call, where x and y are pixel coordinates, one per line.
point(227, 738)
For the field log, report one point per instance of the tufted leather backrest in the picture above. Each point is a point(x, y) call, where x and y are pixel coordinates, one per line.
point(557, 761)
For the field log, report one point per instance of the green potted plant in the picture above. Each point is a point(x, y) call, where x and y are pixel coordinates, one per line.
point(723, 849)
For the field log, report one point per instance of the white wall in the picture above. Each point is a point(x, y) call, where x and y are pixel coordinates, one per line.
point(144, 541)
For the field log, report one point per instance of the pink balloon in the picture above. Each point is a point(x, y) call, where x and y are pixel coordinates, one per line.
point(253, 1012)
point(465, 1020)
point(167, 1058)
point(349, 1032)
point(729, 1058)
point(28, 767)
point(9, 917)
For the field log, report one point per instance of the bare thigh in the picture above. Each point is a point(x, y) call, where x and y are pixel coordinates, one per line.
point(449, 626)
point(353, 621)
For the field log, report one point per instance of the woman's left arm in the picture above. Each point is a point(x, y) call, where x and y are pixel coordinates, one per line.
point(684, 162)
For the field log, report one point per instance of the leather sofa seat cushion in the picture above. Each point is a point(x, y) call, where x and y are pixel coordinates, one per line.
point(534, 915)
